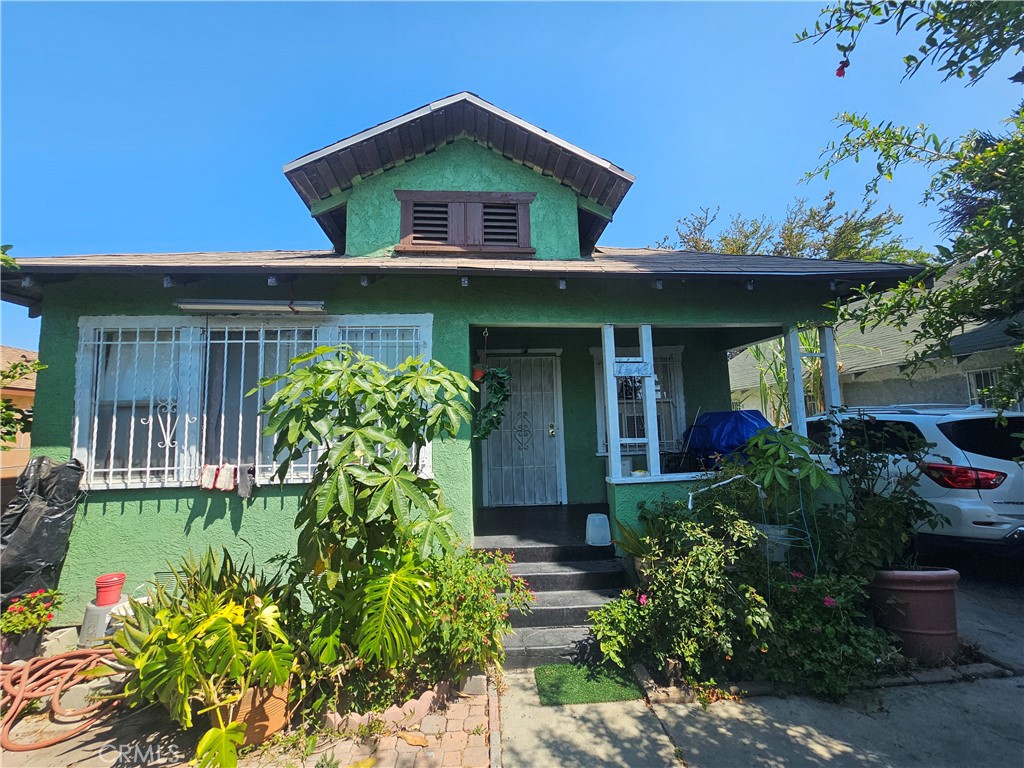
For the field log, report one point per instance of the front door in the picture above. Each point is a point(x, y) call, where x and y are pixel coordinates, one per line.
point(524, 458)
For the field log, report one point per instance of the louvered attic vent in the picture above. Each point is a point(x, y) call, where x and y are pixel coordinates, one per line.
point(501, 224)
point(430, 222)
point(465, 222)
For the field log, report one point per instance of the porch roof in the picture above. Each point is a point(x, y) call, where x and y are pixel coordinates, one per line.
point(606, 263)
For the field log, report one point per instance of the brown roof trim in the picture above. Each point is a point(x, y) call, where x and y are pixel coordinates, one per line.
point(338, 167)
point(607, 263)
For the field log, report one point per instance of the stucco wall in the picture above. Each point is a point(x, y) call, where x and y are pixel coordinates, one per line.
point(373, 210)
point(137, 531)
point(624, 499)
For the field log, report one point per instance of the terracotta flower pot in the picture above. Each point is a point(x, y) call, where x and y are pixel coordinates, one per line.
point(478, 373)
point(264, 712)
point(919, 607)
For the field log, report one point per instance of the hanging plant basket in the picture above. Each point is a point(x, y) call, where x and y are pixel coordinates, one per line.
point(478, 373)
point(494, 394)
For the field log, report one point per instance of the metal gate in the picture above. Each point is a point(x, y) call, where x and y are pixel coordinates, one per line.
point(524, 459)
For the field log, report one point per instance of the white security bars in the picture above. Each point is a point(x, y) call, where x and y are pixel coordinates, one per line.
point(158, 397)
point(640, 368)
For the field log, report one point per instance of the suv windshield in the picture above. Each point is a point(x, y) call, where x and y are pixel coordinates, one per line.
point(986, 437)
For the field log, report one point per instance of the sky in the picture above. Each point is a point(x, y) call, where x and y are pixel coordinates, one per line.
point(161, 127)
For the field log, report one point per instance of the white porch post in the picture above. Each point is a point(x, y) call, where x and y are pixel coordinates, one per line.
point(611, 401)
point(829, 368)
point(650, 404)
point(795, 379)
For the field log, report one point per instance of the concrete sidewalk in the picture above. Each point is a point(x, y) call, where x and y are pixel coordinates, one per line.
point(624, 733)
point(944, 725)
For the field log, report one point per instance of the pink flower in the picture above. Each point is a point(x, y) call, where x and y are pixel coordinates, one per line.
point(642, 599)
point(796, 575)
point(15, 600)
point(830, 602)
point(794, 588)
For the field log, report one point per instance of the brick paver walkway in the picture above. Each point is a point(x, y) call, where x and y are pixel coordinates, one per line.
point(457, 735)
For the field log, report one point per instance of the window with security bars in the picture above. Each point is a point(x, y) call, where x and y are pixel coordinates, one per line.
point(157, 398)
point(465, 221)
point(979, 386)
point(668, 388)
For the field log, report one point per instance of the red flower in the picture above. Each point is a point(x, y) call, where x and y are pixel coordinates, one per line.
point(49, 617)
point(21, 609)
point(15, 600)
point(12, 608)
point(39, 592)
point(47, 605)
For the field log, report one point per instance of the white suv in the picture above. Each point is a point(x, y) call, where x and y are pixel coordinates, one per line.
point(972, 472)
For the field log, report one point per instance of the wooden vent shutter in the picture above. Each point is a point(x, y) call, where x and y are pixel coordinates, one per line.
point(429, 222)
point(500, 224)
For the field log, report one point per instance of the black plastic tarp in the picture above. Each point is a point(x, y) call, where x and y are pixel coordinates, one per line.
point(36, 525)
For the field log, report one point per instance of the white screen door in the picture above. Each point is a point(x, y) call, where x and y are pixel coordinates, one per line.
point(524, 462)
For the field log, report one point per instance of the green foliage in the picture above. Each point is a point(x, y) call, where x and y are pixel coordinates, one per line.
point(780, 463)
point(495, 386)
point(13, 419)
point(205, 642)
point(818, 640)
point(368, 521)
point(473, 596)
point(879, 509)
point(809, 232)
point(697, 607)
point(6, 260)
point(960, 38)
point(30, 613)
point(977, 181)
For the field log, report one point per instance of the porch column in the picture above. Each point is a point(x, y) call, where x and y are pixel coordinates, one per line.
point(829, 368)
point(795, 380)
point(611, 400)
point(650, 404)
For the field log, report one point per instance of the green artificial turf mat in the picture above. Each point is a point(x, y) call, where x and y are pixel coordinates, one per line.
point(560, 684)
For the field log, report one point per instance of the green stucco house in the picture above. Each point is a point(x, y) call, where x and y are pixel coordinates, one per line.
point(457, 231)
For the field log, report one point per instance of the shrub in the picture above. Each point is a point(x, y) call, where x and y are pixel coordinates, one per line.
point(30, 613)
point(473, 596)
point(818, 642)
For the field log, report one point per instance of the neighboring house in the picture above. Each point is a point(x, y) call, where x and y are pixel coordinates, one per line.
point(872, 367)
point(454, 228)
point(21, 393)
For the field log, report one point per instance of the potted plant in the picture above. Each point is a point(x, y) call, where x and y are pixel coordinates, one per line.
point(214, 642)
point(872, 530)
point(23, 623)
point(495, 389)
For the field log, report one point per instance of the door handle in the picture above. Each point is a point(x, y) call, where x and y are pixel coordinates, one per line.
point(551, 429)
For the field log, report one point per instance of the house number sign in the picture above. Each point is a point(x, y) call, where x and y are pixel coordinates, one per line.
point(641, 368)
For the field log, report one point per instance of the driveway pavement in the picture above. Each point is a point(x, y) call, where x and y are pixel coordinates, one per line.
point(943, 725)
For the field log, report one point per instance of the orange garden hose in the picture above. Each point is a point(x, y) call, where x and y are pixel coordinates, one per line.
point(51, 677)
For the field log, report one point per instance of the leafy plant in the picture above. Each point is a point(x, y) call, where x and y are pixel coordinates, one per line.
point(818, 640)
point(30, 613)
point(12, 418)
point(495, 386)
point(697, 606)
point(369, 522)
point(205, 643)
point(473, 596)
point(879, 508)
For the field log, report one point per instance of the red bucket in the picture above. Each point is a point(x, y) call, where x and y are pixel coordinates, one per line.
point(108, 588)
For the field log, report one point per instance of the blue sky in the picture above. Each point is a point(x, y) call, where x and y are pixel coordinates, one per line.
point(138, 127)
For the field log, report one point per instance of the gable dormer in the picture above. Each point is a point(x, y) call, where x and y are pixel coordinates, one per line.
point(459, 175)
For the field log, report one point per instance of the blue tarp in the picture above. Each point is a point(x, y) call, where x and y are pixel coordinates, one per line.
point(722, 432)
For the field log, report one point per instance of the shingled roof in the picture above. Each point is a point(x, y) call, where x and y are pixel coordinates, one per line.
point(323, 178)
point(608, 263)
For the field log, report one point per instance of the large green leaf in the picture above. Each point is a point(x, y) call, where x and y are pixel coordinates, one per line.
point(394, 612)
point(219, 746)
point(272, 667)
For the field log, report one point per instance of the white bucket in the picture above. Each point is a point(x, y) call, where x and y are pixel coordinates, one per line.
point(598, 531)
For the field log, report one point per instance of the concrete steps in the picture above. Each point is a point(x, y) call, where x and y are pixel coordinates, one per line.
point(568, 608)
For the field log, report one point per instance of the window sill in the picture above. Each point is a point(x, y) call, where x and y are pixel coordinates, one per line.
point(677, 477)
point(466, 250)
point(177, 485)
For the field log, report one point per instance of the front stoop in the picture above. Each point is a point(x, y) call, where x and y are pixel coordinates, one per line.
point(569, 581)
